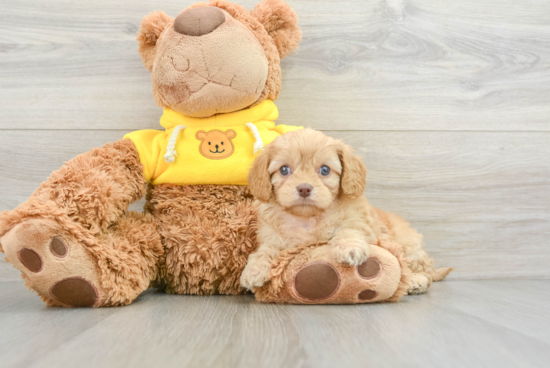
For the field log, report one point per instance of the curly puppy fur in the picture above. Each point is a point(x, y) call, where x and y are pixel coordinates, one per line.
point(333, 211)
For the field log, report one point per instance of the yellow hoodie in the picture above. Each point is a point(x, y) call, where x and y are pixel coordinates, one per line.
point(215, 150)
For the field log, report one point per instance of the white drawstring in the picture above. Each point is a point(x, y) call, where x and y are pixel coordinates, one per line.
point(259, 144)
point(171, 153)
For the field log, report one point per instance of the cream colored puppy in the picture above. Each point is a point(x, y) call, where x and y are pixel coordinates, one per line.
point(309, 189)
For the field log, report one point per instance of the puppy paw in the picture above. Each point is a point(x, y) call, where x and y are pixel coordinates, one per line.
point(419, 284)
point(255, 275)
point(352, 254)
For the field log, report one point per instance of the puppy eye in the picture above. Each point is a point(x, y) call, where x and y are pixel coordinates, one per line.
point(285, 170)
point(324, 170)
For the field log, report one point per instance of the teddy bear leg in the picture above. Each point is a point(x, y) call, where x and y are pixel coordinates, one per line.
point(311, 275)
point(69, 267)
point(73, 239)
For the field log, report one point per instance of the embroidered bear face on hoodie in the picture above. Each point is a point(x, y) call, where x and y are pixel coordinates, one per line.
point(216, 144)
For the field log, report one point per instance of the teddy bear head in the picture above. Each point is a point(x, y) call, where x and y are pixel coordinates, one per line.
point(217, 57)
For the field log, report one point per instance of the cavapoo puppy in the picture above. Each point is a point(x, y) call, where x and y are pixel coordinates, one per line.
point(309, 189)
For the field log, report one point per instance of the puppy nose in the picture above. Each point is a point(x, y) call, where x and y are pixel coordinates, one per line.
point(199, 21)
point(304, 190)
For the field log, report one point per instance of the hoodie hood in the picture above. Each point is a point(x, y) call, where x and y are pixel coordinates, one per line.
point(266, 110)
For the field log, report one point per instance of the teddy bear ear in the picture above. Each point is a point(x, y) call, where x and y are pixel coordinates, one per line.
point(281, 23)
point(152, 26)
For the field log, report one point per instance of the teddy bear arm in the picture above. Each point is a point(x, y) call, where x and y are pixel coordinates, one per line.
point(312, 275)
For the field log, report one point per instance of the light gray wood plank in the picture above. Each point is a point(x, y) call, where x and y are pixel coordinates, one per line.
point(30, 157)
point(30, 329)
point(221, 331)
point(521, 306)
point(7, 271)
point(363, 65)
point(480, 199)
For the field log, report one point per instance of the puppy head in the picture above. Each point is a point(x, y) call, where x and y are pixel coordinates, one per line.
point(305, 172)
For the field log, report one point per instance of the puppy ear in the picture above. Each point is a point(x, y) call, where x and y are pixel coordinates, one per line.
point(259, 180)
point(281, 23)
point(152, 26)
point(354, 173)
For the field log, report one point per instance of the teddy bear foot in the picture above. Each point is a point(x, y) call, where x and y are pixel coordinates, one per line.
point(62, 272)
point(311, 276)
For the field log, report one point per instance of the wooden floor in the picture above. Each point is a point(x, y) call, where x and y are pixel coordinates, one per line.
point(457, 324)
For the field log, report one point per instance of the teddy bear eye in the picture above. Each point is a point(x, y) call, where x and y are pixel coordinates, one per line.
point(209, 143)
point(222, 143)
point(324, 170)
point(285, 170)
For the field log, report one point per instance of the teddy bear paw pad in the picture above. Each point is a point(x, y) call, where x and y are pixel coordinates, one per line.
point(30, 259)
point(59, 248)
point(316, 281)
point(369, 269)
point(367, 295)
point(75, 292)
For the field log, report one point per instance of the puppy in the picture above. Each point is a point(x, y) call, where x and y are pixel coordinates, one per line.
point(309, 189)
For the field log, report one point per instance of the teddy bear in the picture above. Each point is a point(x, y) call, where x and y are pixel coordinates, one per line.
point(215, 72)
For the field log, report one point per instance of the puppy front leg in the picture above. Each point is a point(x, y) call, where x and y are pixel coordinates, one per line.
point(258, 267)
point(350, 247)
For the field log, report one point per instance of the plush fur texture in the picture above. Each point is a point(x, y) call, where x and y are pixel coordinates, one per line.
point(335, 212)
point(231, 68)
point(190, 239)
point(85, 203)
point(388, 286)
point(193, 239)
point(280, 22)
point(151, 28)
point(208, 231)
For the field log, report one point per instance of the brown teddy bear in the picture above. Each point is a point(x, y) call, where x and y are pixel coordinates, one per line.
point(215, 71)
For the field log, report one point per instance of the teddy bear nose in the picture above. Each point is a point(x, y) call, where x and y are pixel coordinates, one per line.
point(304, 190)
point(199, 21)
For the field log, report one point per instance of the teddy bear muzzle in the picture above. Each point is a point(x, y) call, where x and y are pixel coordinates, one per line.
point(199, 21)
